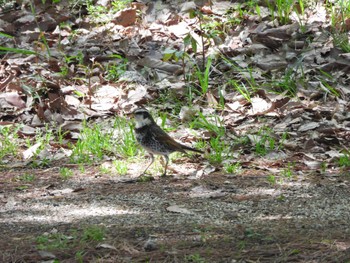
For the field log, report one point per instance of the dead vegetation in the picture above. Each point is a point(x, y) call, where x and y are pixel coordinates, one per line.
point(261, 87)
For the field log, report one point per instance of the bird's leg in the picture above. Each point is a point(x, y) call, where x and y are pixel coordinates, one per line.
point(152, 160)
point(166, 157)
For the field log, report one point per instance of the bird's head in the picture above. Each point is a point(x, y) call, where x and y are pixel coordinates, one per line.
point(142, 118)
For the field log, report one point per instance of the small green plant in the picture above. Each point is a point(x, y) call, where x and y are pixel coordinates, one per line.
point(195, 258)
point(98, 13)
point(281, 198)
point(271, 179)
point(204, 231)
point(288, 172)
point(74, 59)
point(64, 71)
point(165, 120)
point(203, 77)
point(218, 147)
point(283, 8)
point(27, 177)
point(40, 142)
point(258, 10)
point(77, 58)
point(79, 256)
point(163, 117)
point(43, 138)
point(121, 167)
point(116, 69)
point(323, 167)
point(22, 187)
point(60, 135)
point(232, 167)
point(341, 40)
point(45, 162)
point(326, 82)
point(77, 239)
point(252, 234)
point(95, 143)
point(241, 141)
point(53, 241)
point(339, 14)
point(145, 178)
point(92, 145)
point(125, 142)
point(66, 173)
point(93, 233)
point(104, 14)
point(300, 12)
point(344, 160)
point(212, 123)
point(8, 142)
point(236, 15)
point(81, 168)
point(215, 30)
point(265, 142)
point(248, 85)
point(217, 144)
point(170, 54)
point(182, 55)
point(201, 145)
point(120, 4)
point(282, 140)
point(105, 170)
point(287, 83)
point(165, 96)
point(242, 244)
point(241, 88)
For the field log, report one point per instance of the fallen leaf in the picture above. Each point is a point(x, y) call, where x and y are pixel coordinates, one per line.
point(308, 126)
point(177, 209)
point(31, 151)
point(107, 246)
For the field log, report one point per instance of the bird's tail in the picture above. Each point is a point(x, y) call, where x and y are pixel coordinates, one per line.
point(190, 149)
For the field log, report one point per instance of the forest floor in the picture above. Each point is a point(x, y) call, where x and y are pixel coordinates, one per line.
point(264, 92)
point(217, 218)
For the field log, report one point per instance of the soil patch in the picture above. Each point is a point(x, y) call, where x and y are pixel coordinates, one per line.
point(219, 218)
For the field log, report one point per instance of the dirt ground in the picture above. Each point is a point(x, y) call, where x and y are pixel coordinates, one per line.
point(215, 218)
point(94, 68)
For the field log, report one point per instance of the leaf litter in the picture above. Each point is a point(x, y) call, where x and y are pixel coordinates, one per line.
point(288, 204)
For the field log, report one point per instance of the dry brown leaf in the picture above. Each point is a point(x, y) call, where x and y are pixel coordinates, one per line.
point(13, 99)
point(126, 17)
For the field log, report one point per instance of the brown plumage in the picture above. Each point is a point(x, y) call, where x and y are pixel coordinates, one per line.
point(154, 140)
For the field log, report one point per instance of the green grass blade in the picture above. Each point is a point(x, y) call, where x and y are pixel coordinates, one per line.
point(17, 50)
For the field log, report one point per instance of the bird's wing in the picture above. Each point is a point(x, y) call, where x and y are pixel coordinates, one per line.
point(162, 136)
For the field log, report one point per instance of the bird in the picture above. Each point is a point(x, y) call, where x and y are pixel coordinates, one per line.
point(154, 140)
